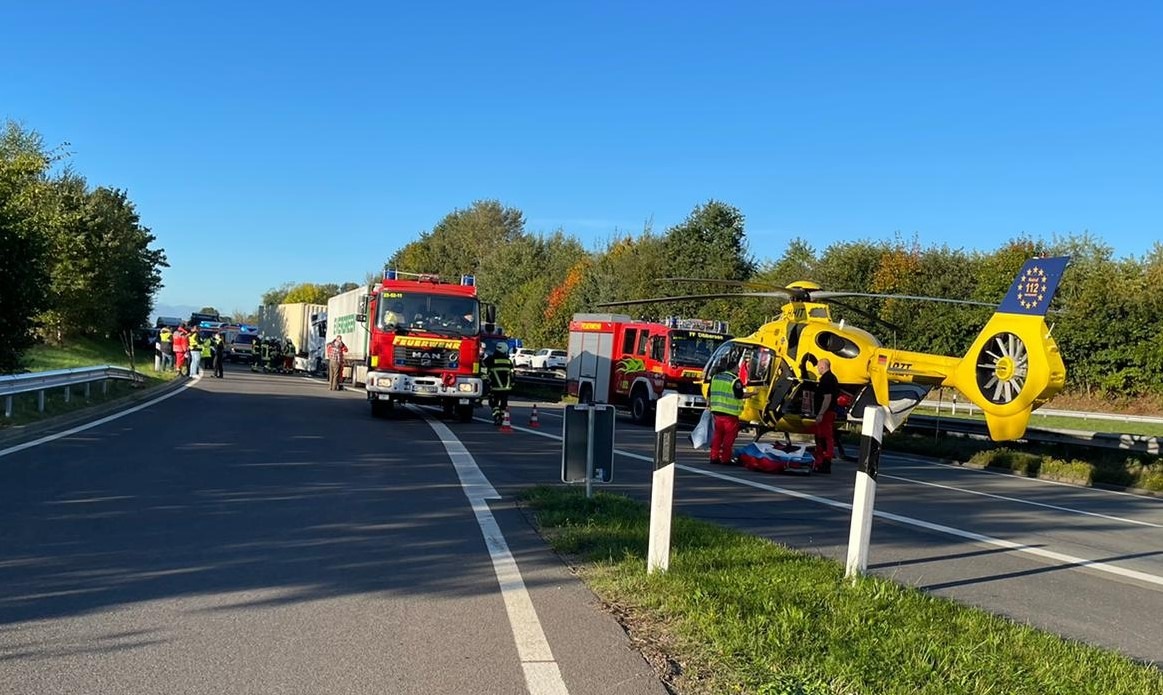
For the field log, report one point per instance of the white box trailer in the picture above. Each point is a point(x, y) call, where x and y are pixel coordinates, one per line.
point(290, 321)
point(341, 312)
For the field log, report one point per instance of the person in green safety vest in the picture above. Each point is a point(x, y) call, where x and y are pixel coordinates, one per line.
point(726, 397)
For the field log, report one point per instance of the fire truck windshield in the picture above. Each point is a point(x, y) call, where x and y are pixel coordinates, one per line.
point(431, 313)
point(693, 348)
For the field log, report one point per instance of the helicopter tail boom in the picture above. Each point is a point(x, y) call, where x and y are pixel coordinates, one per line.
point(1013, 366)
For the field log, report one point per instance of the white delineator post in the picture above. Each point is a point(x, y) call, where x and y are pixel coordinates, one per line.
point(662, 483)
point(864, 495)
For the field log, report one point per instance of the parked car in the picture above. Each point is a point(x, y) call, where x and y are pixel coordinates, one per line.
point(547, 358)
point(523, 357)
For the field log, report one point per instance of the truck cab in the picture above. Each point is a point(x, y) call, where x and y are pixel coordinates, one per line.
point(424, 343)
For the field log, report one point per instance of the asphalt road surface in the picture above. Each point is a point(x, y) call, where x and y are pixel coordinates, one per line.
point(262, 534)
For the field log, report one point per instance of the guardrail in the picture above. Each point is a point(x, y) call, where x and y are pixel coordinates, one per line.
point(66, 379)
point(976, 429)
point(955, 407)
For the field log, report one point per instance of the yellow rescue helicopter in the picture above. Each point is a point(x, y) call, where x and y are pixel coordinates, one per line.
point(1012, 367)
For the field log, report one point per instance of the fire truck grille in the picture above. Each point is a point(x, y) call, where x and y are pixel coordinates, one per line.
point(427, 358)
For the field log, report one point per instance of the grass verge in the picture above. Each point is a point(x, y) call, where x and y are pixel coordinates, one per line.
point(1062, 462)
point(739, 614)
point(84, 352)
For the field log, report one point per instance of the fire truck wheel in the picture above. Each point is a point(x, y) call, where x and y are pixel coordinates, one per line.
point(640, 411)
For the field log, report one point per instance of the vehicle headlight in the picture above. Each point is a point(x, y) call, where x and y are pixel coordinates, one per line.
point(465, 387)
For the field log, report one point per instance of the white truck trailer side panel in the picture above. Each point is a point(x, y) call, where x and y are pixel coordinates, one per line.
point(290, 321)
point(341, 312)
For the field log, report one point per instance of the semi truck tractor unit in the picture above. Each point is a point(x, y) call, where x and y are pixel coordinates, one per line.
point(614, 359)
point(423, 343)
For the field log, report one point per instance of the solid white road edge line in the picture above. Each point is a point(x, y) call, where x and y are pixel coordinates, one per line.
point(96, 423)
point(1016, 500)
point(1097, 565)
point(542, 675)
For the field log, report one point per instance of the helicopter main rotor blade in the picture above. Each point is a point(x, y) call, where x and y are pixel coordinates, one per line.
point(745, 284)
point(693, 297)
point(824, 294)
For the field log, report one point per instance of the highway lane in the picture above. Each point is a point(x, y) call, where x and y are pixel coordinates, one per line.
point(1089, 562)
point(261, 534)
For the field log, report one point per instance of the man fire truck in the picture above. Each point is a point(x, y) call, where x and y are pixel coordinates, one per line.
point(424, 341)
point(613, 359)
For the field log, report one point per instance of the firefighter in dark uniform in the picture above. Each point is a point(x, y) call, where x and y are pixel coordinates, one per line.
point(219, 346)
point(500, 369)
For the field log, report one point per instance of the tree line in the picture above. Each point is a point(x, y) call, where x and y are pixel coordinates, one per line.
point(1105, 315)
point(75, 259)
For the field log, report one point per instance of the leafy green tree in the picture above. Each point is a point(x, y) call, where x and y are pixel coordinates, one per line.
point(24, 277)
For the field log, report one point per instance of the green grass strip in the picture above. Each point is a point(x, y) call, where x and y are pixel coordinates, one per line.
point(82, 352)
point(740, 614)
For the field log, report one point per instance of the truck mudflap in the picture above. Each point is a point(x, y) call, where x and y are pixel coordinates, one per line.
point(687, 401)
point(388, 385)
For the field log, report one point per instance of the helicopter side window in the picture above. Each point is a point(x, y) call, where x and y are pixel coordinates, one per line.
point(628, 342)
point(837, 344)
point(793, 339)
point(820, 312)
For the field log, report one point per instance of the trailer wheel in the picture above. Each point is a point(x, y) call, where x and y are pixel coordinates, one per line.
point(640, 411)
point(585, 394)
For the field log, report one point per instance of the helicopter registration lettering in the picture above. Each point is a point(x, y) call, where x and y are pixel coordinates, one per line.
point(900, 366)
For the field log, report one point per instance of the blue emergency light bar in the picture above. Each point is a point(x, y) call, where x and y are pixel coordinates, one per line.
point(468, 280)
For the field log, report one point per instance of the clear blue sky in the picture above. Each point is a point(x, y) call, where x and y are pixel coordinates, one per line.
point(266, 142)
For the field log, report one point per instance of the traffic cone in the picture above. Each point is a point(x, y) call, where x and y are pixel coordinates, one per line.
point(506, 424)
point(533, 418)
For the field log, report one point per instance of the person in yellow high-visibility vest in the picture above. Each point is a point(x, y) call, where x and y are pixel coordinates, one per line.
point(726, 396)
point(195, 353)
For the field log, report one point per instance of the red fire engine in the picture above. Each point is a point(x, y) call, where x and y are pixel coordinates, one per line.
point(614, 359)
point(424, 343)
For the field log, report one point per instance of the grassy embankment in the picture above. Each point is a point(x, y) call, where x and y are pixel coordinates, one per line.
point(740, 614)
point(1080, 465)
point(82, 352)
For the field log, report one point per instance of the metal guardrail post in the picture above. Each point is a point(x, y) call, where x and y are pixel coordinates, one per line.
point(8, 406)
point(68, 393)
point(87, 390)
point(40, 400)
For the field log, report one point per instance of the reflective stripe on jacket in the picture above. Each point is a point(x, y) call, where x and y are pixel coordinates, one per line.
point(501, 374)
point(722, 395)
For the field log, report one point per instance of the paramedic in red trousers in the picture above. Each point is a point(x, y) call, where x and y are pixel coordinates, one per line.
point(827, 389)
point(726, 397)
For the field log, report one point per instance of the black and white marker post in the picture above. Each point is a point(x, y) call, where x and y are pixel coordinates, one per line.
point(662, 484)
point(864, 495)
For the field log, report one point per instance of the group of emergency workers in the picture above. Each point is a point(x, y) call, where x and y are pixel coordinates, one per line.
point(273, 355)
point(728, 396)
point(185, 349)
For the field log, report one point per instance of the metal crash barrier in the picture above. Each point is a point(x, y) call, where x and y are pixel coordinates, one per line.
point(40, 382)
